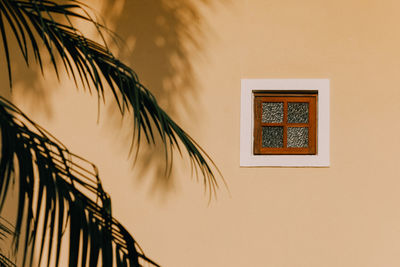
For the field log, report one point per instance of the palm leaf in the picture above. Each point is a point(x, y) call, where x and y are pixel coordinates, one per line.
point(38, 23)
point(58, 192)
point(5, 262)
point(6, 233)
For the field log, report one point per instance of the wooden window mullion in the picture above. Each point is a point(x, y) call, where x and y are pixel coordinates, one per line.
point(285, 111)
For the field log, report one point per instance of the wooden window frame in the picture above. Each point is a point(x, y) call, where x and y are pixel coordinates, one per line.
point(301, 97)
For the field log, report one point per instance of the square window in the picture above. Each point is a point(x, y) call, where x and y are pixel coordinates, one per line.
point(293, 130)
point(285, 123)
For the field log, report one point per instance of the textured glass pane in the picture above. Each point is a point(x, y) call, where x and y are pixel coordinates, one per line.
point(297, 112)
point(272, 136)
point(297, 137)
point(272, 112)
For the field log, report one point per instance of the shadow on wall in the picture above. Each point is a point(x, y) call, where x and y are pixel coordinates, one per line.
point(161, 37)
point(27, 82)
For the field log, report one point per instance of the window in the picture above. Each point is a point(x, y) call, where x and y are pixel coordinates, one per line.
point(287, 144)
point(285, 123)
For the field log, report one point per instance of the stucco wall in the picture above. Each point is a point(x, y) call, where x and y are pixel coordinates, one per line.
point(193, 59)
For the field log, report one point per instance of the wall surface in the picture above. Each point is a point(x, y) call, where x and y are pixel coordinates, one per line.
point(193, 55)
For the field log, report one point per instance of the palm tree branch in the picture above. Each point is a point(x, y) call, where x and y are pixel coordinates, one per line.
point(57, 191)
point(97, 68)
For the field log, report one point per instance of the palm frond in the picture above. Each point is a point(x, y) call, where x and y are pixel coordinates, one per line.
point(6, 233)
point(6, 262)
point(5, 228)
point(39, 23)
point(59, 192)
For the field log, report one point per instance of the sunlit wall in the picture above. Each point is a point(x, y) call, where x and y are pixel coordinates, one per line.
point(192, 55)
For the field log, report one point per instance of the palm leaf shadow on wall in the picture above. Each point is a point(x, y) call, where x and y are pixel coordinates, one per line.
point(163, 40)
point(53, 187)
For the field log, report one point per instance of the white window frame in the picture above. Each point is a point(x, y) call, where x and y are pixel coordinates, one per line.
point(248, 159)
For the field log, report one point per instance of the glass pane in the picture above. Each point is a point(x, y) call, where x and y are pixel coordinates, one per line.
point(297, 112)
point(272, 136)
point(272, 112)
point(297, 137)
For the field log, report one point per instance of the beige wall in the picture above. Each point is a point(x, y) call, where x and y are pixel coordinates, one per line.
point(194, 57)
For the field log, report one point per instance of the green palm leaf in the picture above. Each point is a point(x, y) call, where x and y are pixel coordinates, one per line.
point(33, 24)
point(61, 192)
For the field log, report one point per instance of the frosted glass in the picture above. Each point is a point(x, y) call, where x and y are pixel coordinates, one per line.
point(272, 112)
point(272, 136)
point(297, 137)
point(297, 112)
